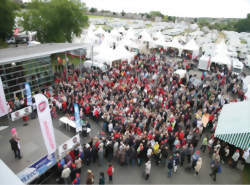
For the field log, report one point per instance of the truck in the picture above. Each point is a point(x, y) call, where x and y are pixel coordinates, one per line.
point(237, 66)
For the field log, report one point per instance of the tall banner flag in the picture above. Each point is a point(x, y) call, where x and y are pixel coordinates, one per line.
point(77, 118)
point(3, 103)
point(28, 93)
point(45, 120)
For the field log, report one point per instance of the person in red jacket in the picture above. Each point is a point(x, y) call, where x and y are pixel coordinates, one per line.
point(110, 172)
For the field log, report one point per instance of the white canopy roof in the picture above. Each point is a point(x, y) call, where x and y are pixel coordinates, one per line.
point(99, 31)
point(91, 38)
point(159, 35)
point(221, 59)
point(110, 55)
point(131, 34)
point(191, 46)
point(115, 33)
point(174, 44)
point(121, 30)
point(145, 36)
point(121, 53)
point(129, 43)
point(103, 47)
point(181, 72)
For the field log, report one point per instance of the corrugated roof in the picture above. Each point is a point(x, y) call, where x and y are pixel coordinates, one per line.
point(23, 53)
point(234, 118)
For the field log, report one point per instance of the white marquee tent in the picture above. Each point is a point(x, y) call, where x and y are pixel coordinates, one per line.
point(192, 46)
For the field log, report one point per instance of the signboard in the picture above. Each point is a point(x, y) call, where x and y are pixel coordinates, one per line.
point(20, 113)
point(68, 145)
point(37, 169)
point(45, 121)
point(3, 103)
point(77, 118)
point(28, 93)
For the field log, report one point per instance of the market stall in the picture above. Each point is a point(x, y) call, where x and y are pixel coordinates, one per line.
point(233, 125)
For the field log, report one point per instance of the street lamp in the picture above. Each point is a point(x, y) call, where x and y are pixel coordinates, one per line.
point(92, 54)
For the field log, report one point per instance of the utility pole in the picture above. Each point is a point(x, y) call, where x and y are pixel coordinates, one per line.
point(66, 60)
point(92, 54)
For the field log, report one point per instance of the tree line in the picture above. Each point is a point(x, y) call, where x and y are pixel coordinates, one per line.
point(60, 20)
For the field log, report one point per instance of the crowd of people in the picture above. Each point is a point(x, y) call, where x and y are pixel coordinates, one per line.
point(151, 114)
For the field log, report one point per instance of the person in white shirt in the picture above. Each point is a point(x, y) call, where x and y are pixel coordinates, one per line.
point(66, 175)
point(246, 154)
point(147, 169)
point(235, 158)
point(110, 128)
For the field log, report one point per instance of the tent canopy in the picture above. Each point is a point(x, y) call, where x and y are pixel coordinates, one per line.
point(191, 46)
point(145, 36)
point(175, 44)
point(221, 59)
point(233, 124)
point(129, 43)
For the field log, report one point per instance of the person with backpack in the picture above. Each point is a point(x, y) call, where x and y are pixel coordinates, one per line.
point(102, 178)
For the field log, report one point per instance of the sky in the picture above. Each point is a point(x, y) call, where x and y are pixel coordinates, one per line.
point(181, 8)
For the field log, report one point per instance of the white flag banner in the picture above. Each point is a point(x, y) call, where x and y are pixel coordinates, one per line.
point(45, 120)
point(3, 103)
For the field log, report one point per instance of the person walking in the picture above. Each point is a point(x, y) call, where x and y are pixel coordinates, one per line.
point(66, 174)
point(77, 180)
point(198, 166)
point(15, 143)
point(102, 178)
point(110, 172)
point(214, 167)
point(176, 161)
point(170, 166)
point(78, 163)
point(147, 169)
point(90, 177)
point(235, 158)
point(204, 144)
point(100, 154)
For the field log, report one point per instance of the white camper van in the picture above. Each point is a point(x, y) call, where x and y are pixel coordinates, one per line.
point(247, 61)
point(88, 65)
point(204, 63)
point(237, 66)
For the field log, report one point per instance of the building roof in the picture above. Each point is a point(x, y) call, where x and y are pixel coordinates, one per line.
point(22, 53)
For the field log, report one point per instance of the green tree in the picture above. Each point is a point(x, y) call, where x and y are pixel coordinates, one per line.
point(7, 18)
point(93, 10)
point(156, 14)
point(55, 20)
point(123, 13)
point(243, 25)
point(148, 16)
point(171, 18)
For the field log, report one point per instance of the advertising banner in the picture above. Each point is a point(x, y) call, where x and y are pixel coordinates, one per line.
point(3, 104)
point(20, 113)
point(37, 169)
point(45, 121)
point(28, 93)
point(77, 118)
point(68, 145)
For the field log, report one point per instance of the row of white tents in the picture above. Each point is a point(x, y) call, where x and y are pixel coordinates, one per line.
point(129, 40)
point(132, 39)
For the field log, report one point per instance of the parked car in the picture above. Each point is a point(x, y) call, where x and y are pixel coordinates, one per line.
point(89, 65)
